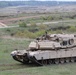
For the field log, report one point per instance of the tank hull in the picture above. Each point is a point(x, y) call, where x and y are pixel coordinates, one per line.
point(40, 56)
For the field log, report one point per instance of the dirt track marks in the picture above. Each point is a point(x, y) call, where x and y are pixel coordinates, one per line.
point(2, 25)
point(20, 18)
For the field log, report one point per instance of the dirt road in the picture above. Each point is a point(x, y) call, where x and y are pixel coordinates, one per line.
point(20, 18)
point(2, 25)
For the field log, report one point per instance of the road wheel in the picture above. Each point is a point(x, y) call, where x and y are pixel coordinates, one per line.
point(67, 60)
point(72, 59)
point(50, 61)
point(62, 60)
point(56, 61)
point(44, 62)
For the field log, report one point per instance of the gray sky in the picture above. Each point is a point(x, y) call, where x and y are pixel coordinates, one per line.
point(37, 0)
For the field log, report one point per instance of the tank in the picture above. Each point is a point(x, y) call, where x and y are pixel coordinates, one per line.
point(48, 49)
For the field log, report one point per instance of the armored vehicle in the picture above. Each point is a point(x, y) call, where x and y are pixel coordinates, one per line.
point(47, 49)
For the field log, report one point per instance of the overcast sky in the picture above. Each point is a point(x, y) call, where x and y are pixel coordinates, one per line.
point(37, 0)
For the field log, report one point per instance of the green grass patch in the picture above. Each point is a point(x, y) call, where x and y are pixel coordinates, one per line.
point(65, 69)
point(9, 66)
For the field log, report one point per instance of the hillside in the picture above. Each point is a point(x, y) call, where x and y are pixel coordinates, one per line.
point(34, 3)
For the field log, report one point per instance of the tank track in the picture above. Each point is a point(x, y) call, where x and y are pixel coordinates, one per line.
point(58, 61)
point(31, 59)
point(48, 61)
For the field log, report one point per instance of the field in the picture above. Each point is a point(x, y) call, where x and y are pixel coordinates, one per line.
point(46, 70)
point(27, 26)
point(9, 66)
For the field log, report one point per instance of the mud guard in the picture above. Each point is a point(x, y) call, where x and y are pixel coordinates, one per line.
point(33, 59)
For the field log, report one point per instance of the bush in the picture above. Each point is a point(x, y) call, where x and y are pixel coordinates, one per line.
point(50, 18)
point(29, 34)
point(72, 29)
point(22, 24)
point(44, 18)
point(19, 34)
point(42, 27)
point(39, 33)
point(8, 30)
point(25, 34)
point(33, 24)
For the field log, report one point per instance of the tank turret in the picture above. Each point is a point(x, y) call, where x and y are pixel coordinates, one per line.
point(54, 48)
point(55, 41)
